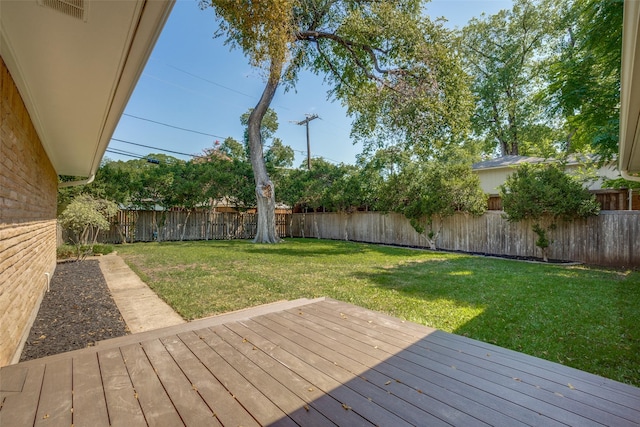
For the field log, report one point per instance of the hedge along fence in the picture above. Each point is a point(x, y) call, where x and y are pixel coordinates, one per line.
point(610, 239)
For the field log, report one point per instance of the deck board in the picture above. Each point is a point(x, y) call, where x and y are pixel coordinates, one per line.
point(156, 405)
point(307, 363)
point(282, 397)
point(123, 407)
point(422, 394)
point(227, 409)
point(435, 379)
point(420, 389)
point(597, 398)
point(54, 407)
point(89, 403)
point(511, 374)
point(319, 385)
point(330, 376)
point(19, 409)
point(250, 397)
point(183, 394)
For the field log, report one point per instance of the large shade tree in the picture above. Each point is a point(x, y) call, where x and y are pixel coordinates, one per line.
point(585, 74)
point(385, 61)
point(503, 53)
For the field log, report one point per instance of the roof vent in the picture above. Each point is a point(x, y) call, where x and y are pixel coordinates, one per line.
point(75, 8)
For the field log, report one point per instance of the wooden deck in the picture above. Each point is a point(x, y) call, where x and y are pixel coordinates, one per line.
point(306, 363)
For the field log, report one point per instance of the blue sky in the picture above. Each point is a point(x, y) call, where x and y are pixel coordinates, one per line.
point(192, 81)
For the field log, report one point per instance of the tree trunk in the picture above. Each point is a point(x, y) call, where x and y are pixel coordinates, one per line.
point(266, 231)
point(545, 257)
point(132, 227)
point(184, 229)
point(432, 236)
point(315, 225)
point(291, 225)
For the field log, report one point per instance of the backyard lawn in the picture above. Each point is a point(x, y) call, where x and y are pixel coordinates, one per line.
point(584, 317)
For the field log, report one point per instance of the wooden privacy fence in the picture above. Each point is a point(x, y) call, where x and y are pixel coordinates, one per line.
point(610, 239)
point(147, 226)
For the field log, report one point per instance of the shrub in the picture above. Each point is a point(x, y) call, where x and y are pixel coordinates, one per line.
point(544, 193)
point(70, 251)
point(84, 217)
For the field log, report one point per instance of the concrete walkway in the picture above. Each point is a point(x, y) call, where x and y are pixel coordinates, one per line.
point(141, 309)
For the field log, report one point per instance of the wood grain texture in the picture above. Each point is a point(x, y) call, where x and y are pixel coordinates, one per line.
point(315, 363)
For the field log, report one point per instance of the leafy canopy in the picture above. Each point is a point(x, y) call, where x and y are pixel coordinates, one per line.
point(535, 191)
point(503, 53)
point(427, 192)
point(394, 69)
point(85, 216)
point(584, 75)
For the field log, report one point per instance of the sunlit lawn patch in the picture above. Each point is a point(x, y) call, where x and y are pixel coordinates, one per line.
point(584, 317)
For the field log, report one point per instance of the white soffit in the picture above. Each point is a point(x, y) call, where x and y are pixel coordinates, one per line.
point(75, 63)
point(630, 90)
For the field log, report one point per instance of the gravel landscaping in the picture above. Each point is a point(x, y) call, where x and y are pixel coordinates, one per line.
point(77, 312)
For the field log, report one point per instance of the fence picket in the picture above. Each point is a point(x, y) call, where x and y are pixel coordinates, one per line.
point(608, 239)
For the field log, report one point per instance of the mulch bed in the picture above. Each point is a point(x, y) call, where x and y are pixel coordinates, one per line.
point(77, 312)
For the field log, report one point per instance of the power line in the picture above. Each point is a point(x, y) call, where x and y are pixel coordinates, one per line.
point(172, 126)
point(253, 97)
point(210, 81)
point(129, 154)
point(123, 152)
point(155, 148)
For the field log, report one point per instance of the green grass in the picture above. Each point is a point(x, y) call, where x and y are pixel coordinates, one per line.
point(585, 317)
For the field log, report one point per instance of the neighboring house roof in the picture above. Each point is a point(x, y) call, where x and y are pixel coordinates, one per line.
point(75, 65)
point(494, 172)
point(511, 161)
point(629, 148)
point(506, 161)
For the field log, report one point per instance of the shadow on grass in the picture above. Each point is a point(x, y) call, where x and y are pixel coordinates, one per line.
point(586, 318)
point(298, 247)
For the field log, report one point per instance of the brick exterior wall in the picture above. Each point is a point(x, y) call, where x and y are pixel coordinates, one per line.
point(28, 192)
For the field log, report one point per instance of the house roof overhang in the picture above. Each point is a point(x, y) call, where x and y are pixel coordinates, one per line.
point(75, 72)
point(629, 147)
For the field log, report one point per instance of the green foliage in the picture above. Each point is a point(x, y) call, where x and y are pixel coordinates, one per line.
point(231, 179)
point(102, 249)
point(502, 52)
point(268, 126)
point(321, 188)
point(427, 192)
point(233, 149)
point(84, 217)
point(534, 191)
point(425, 105)
point(278, 155)
point(70, 251)
point(544, 192)
point(543, 241)
point(390, 65)
point(187, 188)
point(584, 75)
point(66, 251)
point(620, 183)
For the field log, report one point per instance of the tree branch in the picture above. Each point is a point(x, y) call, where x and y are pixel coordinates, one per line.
point(350, 45)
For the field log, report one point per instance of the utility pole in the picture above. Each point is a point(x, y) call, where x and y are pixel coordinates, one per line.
point(306, 122)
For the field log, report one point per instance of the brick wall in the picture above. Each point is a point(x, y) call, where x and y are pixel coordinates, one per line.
point(28, 191)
